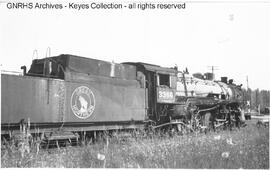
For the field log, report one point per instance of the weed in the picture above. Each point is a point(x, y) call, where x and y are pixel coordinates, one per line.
point(245, 148)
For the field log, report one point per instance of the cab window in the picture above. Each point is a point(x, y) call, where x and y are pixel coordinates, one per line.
point(164, 80)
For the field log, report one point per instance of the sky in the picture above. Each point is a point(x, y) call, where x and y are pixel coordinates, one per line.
point(232, 36)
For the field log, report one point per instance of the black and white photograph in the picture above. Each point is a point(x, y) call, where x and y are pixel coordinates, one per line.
point(135, 84)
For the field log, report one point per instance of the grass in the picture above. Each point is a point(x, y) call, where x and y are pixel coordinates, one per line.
point(244, 148)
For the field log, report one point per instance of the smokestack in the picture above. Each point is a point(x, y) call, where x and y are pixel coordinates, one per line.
point(224, 79)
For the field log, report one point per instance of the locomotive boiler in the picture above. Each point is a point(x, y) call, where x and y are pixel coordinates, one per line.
point(69, 94)
point(213, 103)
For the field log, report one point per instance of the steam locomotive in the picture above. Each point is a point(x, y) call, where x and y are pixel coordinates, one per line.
point(68, 94)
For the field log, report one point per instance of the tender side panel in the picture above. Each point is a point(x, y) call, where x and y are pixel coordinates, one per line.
point(39, 99)
point(97, 99)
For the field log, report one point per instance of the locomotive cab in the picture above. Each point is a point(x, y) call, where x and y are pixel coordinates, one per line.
point(160, 88)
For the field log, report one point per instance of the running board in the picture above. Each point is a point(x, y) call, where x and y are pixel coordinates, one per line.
point(62, 136)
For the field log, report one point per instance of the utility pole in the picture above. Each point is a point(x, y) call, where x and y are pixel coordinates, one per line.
point(247, 83)
point(249, 97)
point(213, 68)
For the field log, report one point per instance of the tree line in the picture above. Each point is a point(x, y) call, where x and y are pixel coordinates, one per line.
point(259, 99)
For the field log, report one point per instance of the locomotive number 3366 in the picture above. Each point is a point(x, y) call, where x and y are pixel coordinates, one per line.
point(165, 95)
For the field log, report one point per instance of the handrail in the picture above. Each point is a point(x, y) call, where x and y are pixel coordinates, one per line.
point(14, 72)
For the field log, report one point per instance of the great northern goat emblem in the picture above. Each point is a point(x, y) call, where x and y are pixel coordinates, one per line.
point(82, 102)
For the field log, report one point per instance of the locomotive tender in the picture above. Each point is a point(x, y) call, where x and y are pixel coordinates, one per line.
point(73, 94)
